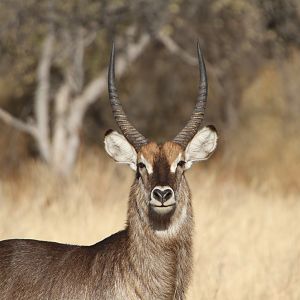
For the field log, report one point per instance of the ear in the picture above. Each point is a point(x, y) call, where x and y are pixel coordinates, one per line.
point(120, 149)
point(201, 146)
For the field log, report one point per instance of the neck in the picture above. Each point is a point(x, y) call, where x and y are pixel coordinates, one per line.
point(162, 251)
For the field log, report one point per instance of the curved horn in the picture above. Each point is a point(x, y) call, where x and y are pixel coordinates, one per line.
point(136, 139)
point(191, 128)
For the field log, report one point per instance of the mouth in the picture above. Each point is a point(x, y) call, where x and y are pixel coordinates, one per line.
point(162, 209)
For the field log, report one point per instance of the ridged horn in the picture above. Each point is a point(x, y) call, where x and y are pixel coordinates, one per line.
point(136, 139)
point(192, 126)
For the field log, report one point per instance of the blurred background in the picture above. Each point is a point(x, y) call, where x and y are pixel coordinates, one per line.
point(56, 182)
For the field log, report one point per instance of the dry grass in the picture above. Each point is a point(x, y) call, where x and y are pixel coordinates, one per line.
point(247, 243)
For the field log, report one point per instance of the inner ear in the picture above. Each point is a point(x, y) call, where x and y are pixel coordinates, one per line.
point(201, 146)
point(117, 147)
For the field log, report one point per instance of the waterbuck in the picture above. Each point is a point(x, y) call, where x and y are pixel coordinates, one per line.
point(152, 257)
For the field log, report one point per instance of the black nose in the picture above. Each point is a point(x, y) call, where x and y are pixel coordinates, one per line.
point(162, 195)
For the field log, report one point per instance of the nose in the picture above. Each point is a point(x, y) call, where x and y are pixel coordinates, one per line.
point(162, 195)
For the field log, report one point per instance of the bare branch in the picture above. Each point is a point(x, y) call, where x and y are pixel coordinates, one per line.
point(74, 68)
point(174, 48)
point(97, 87)
point(62, 101)
point(78, 61)
point(132, 52)
point(41, 106)
point(90, 38)
point(17, 124)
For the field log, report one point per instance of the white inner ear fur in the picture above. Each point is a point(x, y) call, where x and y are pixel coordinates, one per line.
point(147, 164)
point(201, 146)
point(120, 149)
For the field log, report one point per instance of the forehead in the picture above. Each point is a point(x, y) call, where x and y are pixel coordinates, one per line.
point(168, 151)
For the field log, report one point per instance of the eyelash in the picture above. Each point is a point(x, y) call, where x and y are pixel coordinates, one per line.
point(141, 165)
point(181, 163)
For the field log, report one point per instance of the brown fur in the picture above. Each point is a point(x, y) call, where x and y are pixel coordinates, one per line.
point(150, 259)
point(149, 151)
point(171, 151)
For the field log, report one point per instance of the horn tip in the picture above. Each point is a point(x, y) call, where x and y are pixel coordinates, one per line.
point(199, 49)
point(111, 68)
point(112, 54)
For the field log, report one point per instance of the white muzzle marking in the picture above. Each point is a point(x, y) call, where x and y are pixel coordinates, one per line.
point(159, 205)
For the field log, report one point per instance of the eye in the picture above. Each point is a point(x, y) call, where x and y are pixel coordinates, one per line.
point(141, 165)
point(181, 163)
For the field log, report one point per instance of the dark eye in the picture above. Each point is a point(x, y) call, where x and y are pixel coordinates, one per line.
point(141, 165)
point(181, 163)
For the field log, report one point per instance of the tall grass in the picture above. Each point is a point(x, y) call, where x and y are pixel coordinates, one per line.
point(246, 243)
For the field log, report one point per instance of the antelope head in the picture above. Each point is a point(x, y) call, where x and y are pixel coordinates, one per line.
point(160, 168)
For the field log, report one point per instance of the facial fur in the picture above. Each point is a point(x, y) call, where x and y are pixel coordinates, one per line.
point(160, 158)
point(155, 168)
